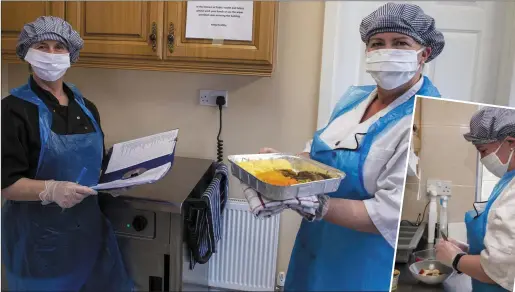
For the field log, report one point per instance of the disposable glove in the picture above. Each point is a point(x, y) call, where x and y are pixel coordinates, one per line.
point(446, 251)
point(65, 194)
point(462, 245)
point(267, 150)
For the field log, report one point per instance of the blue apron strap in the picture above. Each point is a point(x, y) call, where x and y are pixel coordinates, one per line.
point(350, 99)
point(80, 100)
point(428, 89)
point(382, 126)
point(25, 92)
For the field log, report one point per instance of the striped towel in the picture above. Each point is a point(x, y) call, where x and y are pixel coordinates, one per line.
point(209, 221)
point(265, 208)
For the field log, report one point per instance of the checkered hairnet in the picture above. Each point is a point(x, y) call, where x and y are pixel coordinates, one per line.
point(49, 28)
point(491, 124)
point(407, 19)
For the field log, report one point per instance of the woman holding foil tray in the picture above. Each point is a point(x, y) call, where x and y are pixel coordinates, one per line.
point(54, 235)
point(349, 246)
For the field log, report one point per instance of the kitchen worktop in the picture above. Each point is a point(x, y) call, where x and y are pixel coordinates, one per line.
point(173, 189)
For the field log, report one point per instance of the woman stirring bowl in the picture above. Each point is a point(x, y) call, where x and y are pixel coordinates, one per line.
point(489, 256)
point(350, 246)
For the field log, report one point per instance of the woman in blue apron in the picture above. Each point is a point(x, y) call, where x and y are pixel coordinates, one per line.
point(351, 245)
point(489, 256)
point(54, 236)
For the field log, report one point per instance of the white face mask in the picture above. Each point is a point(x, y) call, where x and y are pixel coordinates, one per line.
point(49, 67)
point(494, 164)
point(392, 68)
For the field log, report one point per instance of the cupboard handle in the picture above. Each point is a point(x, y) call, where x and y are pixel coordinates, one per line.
point(171, 38)
point(153, 37)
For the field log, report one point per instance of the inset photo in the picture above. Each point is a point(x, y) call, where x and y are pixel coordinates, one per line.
point(457, 225)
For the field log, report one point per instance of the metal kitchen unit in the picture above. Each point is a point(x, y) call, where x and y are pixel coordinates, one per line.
point(149, 224)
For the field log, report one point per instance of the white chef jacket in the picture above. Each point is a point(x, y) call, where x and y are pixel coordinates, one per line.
point(384, 170)
point(498, 257)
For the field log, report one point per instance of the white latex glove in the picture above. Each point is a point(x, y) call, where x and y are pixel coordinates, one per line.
point(267, 150)
point(65, 194)
point(462, 245)
point(446, 251)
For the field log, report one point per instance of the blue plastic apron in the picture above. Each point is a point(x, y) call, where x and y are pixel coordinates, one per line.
point(46, 248)
point(476, 230)
point(328, 257)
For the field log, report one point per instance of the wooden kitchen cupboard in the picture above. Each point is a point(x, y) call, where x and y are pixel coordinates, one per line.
point(150, 36)
point(16, 14)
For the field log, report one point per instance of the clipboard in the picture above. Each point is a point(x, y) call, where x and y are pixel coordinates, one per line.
point(134, 170)
point(140, 161)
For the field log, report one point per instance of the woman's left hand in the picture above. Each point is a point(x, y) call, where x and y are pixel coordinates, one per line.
point(446, 251)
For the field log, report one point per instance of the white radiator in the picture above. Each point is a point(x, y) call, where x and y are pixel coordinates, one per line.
point(247, 253)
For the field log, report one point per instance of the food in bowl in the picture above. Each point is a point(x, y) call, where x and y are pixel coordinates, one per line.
point(430, 272)
point(279, 172)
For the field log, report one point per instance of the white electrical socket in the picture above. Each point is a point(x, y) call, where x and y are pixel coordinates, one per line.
point(443, 187)
point(208, 97)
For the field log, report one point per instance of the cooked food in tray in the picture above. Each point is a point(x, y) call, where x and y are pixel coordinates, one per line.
point(280, 172)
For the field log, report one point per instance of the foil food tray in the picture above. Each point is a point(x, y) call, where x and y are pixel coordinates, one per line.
point(298, 163)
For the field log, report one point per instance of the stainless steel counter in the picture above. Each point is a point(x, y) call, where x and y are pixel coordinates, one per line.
point(169, 193)
point(149, 222)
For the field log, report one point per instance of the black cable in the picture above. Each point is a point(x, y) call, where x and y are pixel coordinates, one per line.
point(220, 101)
point(220, 142)
point(423, 215)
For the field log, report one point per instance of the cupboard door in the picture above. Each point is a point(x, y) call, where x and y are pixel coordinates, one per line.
point(251, 56)
point(16, 14)
point(118, 29)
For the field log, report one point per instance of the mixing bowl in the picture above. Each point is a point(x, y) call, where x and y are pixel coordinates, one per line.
point(430, 265)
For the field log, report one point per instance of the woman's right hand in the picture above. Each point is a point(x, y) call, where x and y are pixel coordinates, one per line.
point(65, 194)
point(267, 150)
point(461, 245)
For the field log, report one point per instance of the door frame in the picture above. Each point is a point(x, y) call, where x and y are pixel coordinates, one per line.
point(507, 68)
point(334, 52)
point(338, 55)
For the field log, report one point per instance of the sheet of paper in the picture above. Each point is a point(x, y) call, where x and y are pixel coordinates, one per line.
point(412, 165)
point(147, 177)
point(137, 151)
point(220, 20)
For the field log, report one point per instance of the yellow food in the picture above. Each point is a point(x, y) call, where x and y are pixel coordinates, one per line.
point(429, 272)
point(259, 166)
point(276, 178)
point(279, 172)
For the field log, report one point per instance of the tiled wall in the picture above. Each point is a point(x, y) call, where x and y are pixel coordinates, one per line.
point(444, 155)
point(488, 182)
